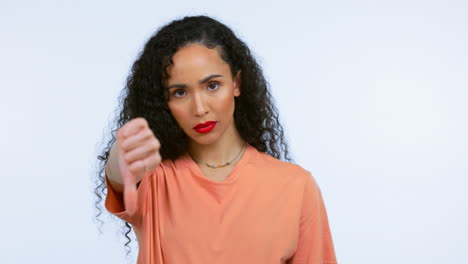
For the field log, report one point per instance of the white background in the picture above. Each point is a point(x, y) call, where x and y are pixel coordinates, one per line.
point(373, 96)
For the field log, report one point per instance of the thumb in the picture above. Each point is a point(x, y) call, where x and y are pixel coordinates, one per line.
point(130, 188)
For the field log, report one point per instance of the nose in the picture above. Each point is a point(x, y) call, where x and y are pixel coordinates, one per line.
point(199, 104)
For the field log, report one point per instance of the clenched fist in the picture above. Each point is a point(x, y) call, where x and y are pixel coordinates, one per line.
point(138, 154)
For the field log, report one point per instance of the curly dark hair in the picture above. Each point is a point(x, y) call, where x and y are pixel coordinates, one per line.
point(255, 114)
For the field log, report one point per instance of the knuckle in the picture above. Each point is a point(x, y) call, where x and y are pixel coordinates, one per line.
point(137, 166)
point(142, 120)
point(154, 161)
point(128, 159)
point(123, 145)
point(133, 167)
point(119, 134)
point(147, 133)
point(158, 144)
point(157, 156)
point(154, 145)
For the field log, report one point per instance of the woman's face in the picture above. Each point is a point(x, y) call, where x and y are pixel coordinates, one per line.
point(201, 89)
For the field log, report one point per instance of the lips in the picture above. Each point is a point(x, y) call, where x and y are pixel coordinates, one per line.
point(205, 127)
point(206, 124)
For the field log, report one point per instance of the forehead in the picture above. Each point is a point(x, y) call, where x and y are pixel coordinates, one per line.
point(194, 62)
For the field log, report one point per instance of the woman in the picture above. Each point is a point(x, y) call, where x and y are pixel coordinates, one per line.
point(195, 165)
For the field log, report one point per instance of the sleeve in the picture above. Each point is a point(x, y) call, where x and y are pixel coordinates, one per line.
point(315, 245)
point(115, 204)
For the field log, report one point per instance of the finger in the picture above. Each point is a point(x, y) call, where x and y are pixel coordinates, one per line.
point(137, 140)
point(153, 161)
point(142, 152)
point(133, 126)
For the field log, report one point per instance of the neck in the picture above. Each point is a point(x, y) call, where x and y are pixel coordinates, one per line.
point(221, 151)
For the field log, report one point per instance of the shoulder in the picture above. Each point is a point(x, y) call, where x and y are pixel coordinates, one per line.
point(274, 166)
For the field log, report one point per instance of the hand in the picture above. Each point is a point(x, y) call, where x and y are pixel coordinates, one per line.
point(138, 154)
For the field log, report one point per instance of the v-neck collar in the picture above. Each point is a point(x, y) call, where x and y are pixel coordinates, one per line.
point(233, 175)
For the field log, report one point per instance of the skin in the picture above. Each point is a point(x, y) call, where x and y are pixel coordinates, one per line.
point(135, 152)
point(192, 102)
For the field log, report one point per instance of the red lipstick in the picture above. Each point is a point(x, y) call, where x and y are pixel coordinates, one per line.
point(205, 127)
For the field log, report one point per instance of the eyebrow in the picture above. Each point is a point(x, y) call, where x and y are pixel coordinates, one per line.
point(202, 81)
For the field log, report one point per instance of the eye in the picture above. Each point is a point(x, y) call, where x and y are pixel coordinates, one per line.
point(177, 94)
point(213, 86)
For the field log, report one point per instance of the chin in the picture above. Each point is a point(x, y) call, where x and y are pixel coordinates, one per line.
point(204, 139)
point(208, 141)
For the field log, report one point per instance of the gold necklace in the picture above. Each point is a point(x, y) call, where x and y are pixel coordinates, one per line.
point(219, 166)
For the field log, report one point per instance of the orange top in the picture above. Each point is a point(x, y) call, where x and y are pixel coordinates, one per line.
point(266, 211)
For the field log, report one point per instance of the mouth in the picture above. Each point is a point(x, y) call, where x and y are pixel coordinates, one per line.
point(205, 127)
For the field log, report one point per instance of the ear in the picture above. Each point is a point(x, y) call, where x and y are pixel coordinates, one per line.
point(237, 84)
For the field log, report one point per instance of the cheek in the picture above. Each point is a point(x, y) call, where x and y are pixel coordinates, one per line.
point(177, 113)
point(226, 101)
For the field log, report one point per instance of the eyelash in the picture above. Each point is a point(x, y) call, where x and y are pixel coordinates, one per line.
point(217, 83)
point(175, 92)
